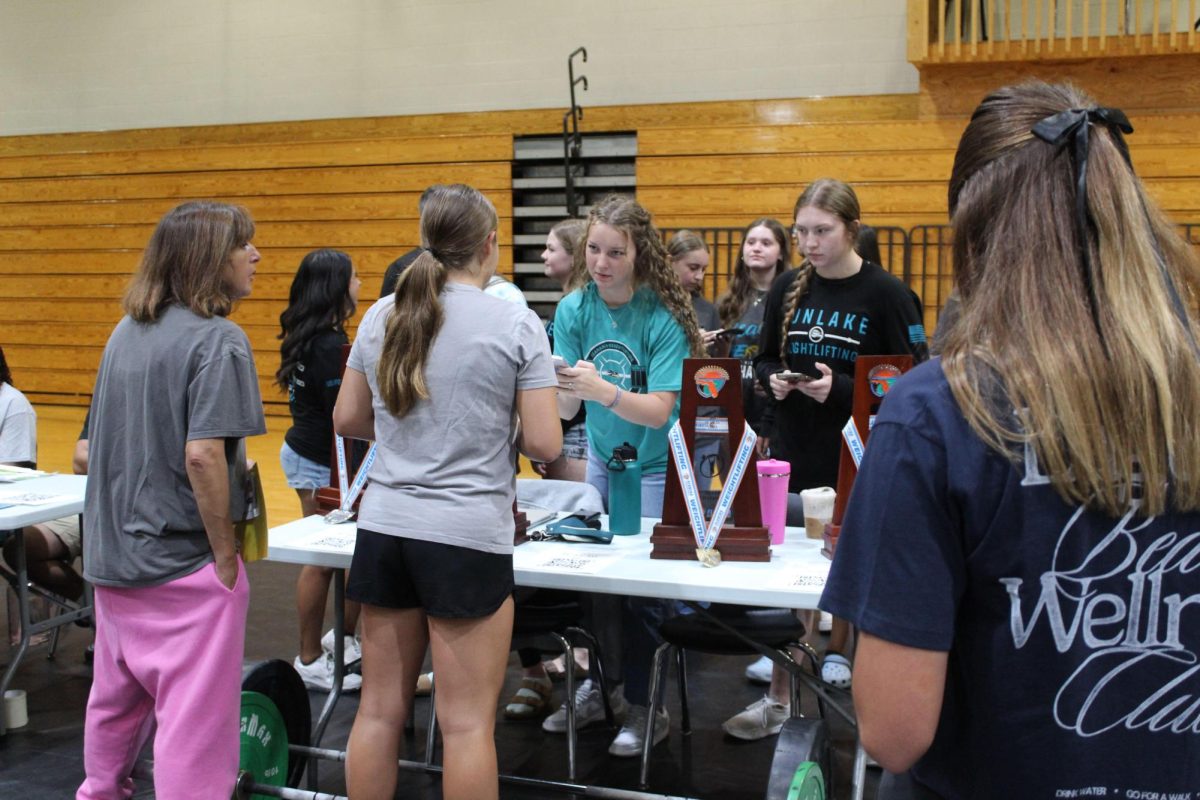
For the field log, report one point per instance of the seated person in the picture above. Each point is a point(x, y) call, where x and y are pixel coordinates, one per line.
point(18, 423)
point(51, 547)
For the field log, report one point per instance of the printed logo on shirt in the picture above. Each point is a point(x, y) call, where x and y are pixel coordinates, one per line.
point(615, 362)
point(745, 346)
point(826, 336)
point(916, 334)
point(1115, 602)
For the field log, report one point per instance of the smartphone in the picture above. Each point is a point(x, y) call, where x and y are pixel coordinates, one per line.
point(729, 333)
point(559, 362)
point(794, 377)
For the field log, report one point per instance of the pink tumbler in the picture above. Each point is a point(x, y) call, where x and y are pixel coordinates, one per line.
point(773, 478)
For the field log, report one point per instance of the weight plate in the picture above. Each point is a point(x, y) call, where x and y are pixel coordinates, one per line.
point(264, 750)
point(807, 783)
point(278, 680)
point(803, 741)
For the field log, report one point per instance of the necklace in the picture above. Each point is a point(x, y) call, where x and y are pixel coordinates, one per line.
point(611, 318)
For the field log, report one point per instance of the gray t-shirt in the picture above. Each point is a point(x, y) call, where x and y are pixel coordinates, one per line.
point(446, 471)
point(161, 385)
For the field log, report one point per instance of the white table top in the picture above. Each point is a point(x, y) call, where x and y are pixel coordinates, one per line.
point(18, 516)
point(793, 578)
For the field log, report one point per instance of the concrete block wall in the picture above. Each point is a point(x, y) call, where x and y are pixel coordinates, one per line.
point(82, 65)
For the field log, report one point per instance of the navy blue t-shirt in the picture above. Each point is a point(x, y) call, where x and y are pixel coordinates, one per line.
point(1073, 637)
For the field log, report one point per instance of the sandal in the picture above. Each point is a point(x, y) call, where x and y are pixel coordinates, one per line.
point(554, 667)
point(835, 670)
point(531, 700)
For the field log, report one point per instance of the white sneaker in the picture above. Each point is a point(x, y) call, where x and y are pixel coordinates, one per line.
point(759, 720)
point(760, 671)
point(351, 648)
point(629, 741)
point(589, 708)
point(319, 675)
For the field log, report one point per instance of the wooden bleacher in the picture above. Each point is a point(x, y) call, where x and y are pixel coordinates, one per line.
point(76, 209)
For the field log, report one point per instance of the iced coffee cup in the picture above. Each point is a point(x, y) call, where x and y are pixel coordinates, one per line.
point(818, 510)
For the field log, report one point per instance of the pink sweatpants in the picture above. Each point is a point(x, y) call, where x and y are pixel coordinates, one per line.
point(169, 656)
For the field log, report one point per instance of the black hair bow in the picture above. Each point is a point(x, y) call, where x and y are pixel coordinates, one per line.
point(1074, 125)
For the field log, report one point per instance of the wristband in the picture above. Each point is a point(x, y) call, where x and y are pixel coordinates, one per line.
point(616, 397)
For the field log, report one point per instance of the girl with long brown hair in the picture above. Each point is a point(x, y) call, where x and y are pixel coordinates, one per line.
point(438, 375)
point(322, 298)
point(818, 320)
point(625, 331)
point(1018, 552)
point(765, 254)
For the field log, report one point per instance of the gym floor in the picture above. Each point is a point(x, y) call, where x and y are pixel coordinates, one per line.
point(45, 758)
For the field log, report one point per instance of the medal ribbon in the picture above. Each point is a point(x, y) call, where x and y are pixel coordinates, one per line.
point(350, 491)
point(853, 441)
point(706, 537)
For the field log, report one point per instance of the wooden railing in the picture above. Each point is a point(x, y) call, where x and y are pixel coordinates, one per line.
point(950, 31)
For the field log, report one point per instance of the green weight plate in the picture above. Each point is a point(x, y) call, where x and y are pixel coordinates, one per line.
point(807, 783)
point(264, 752)
point(278, 680)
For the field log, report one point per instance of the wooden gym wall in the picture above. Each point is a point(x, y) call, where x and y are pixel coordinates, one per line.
point(76, 209)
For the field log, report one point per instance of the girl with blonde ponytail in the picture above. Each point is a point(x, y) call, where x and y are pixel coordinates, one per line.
point(1019, 551)
point(625, 331)
point(437, 377)
point(817, 321)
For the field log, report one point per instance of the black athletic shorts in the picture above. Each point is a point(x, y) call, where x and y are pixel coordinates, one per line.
point(443, 579)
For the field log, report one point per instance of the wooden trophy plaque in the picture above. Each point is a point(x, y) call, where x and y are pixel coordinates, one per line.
point(712, 382)
point(873, 379)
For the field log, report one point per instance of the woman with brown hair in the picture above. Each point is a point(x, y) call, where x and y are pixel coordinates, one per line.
point(818, 320)
point(624, 331)
point(1018, 552)
point(175, 395)
point(765, 254)
point(448, 381)
point(322, 298)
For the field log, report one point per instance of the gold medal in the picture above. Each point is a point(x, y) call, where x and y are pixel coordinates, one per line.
point(709, 557)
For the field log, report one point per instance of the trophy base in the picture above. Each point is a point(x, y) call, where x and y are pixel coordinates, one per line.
point(677, 542)
point(830, 538)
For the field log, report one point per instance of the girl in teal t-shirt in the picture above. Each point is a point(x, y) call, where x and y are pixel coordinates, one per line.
point(624, 332)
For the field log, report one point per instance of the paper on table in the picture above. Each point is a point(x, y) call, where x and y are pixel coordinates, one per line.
point(796, 579)
point(330, 540)
point(578, 560)
point(33, 498)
